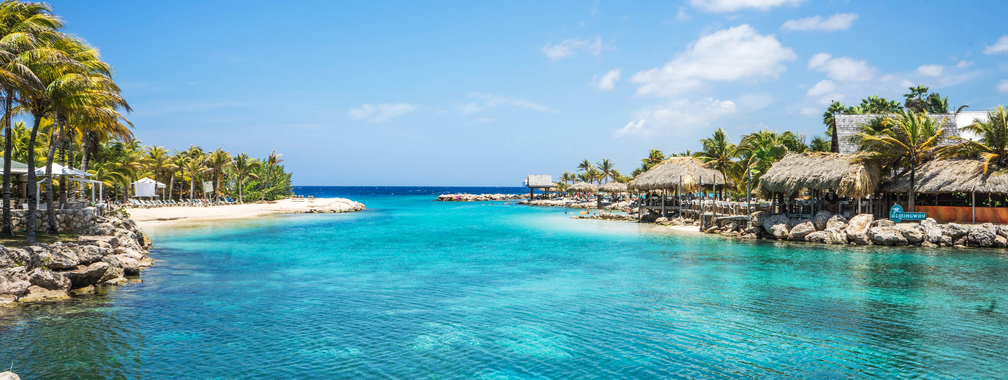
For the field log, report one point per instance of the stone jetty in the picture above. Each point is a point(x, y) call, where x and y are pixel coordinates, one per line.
point(575, 203)
point(104, 254)
point(478, 197)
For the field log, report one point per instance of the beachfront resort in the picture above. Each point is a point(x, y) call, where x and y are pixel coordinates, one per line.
point(772, 193)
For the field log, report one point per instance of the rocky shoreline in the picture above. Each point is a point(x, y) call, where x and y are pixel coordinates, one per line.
point(478, 197)
point(110, 252)
point(571, 203)
point(861, 229)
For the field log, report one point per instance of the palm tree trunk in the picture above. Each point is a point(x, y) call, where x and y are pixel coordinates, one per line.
point(8, 224)
point(85, 149)
point(912, 197)
point(32, 186)
point(241, 199)
point(171, 186)
point(50, 206)
point(63, 184)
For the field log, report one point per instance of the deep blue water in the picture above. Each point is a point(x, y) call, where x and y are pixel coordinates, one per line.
point(412, 288)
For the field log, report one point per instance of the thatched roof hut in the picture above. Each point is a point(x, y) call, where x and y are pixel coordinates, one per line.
point(613, 187)
point(666, 175)
point(842, 174)
point(583, 187)
point(955, 175)
point(539, 181)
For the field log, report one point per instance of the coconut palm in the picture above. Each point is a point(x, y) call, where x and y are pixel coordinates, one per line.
point(993, 144)
point(654, 157)
point(194, 166)
point(718, 152)
point(605, 168)
point(158, 161)
point(244, 168)
point(567, 177)
point(272, 160)
point(584, 165)
point(760, 150)
point(909, 138)
point(178, 160)
point(217, 162)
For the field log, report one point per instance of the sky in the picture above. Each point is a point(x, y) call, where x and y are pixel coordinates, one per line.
point(485, 93)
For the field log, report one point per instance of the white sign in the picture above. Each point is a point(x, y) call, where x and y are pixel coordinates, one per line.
point(208, 187)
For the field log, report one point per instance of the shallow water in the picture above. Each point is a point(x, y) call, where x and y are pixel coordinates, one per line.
point(412, 288)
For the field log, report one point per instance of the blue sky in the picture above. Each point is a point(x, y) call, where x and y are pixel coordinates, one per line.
point(485, 93)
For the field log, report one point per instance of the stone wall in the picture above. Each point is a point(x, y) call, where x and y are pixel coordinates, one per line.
point(67, 220)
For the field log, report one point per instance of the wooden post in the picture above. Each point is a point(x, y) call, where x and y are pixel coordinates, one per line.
point(974, 207)
point(663, 203)
point(678, 192)
point(531, 194)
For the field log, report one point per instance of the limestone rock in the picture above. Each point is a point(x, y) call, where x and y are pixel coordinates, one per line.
point(932, 232)
point(778, 225)
point(48, 279)
point(857, 229)
point(14, 281)
point(758, 218)
point(57, 256)
point(88, 254)
point(82, 291)
point(1000, 241)
point(821, 219)
point(129, 265)
point(38, 293)
point(883, 223)
point(834, 236)
point(886, 236)
point(836, 222)
point(816, 237)
point(955, 230)
point(9, 376)
point(661, 220)
point(801, 230)
point(87, 275)
point(913, 233)
point(113, 276)
point(6, 261)
point(982, 236)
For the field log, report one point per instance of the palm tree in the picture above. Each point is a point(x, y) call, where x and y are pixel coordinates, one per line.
point(217, 162)
point(178, 160)
point(567, 177)
point(272, 160)
point(158, 161)
point(718, 152)
point(21, 24)
point(605, 168)
point(993, 144)
point(819, 144)
point(194, 165)
point(828, 118)
point(909, 139)
point(584, 165)
point(244, 167)
point(761, 150)
point(654, 157)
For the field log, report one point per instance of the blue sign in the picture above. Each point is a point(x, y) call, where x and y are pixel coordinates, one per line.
point(897, 215)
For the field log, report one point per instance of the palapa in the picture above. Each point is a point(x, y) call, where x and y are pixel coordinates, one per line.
point(613, 187)
point(667, 174)
point(953, 175)
point(583, 187)
point(843, 174)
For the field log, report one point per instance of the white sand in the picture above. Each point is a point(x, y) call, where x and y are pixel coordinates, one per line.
point(162, 216)
point(685, 229)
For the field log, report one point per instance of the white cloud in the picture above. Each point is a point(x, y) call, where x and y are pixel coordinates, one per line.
point(1003, 87)
point(567, 48)
point(999, 47)
point(823, 87)
point(930, 70)
point(380, 112)
point(608, 81)
point(842, 68)
point(809, 111)
point(483, 102)
point(839, 21)
point(677, 117)
point(682, 15)
point(964, 64)
point(734, 5)
point(726, 55)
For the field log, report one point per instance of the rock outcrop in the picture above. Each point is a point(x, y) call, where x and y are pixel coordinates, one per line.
point(801, 230)
point(779, 226)
point(110, 249)
point(857, 229)
point(478, 197)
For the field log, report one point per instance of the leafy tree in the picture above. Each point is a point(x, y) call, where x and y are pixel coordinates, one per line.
point(909, 139)
point(605, 168)
point(993, 144)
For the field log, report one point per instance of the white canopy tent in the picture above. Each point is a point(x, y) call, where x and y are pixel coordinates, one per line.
point(61, 170)
point(146, 187)
point(69, 174)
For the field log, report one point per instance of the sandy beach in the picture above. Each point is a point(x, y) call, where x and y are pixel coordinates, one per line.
point(164, 216)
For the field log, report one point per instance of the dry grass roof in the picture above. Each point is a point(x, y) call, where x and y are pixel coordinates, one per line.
point(583, 187)
point(666, 175)
point(540, 181)
point(955, 175)
point(614, 187)
point(839, 173)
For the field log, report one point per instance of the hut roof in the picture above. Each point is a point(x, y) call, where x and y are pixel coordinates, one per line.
point(539, 181)
point(952, 175)
point(841, 173)
point(848, 126)
point(583, 187)
point(666, 175)
point(614, 187)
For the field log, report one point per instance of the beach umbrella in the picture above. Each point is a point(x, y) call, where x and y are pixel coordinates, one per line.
point(613, 187)
point(583, 187)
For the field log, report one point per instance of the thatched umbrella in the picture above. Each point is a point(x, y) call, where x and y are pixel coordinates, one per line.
point(667, 175)
point(583, 187)
point(843, 174)
point(613, 187)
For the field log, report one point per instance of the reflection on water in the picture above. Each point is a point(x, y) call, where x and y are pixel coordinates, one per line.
point(412, 288)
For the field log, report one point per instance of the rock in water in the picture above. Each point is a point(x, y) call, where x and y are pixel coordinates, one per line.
point(836, 222)
point(758, 218)
point(48, 279)
point(886, 236)
point(857, 229)
point(820, 220)
point(777, 225)
point(87, 275)
point(9, 376)
point(932, 232)
point(799, 232)
point(982, 236)
point(913, 233)
point(835, 236)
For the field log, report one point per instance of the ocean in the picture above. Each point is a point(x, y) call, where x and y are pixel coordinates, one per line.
point(412, 288)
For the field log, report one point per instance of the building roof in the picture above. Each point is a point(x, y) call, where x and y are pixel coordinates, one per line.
point(954, 175)
point(692, 172)
point(583, 187)
point(848, 126)
point(614, 187)
point(539, 181)
point(842, 174)
point(16, 167)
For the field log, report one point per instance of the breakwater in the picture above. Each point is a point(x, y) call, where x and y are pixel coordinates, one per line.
point(105, 254)
point(478, 197)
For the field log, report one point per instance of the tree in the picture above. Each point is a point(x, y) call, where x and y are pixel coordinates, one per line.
point(819, 144)
point(760, 150)
point(718, 152)
point(194, 165)
point(244, 168)
point(605, 169)
point(828, 118)
point(218, 161)
point(271, 161)
point(909, 139)
point(584, 165)
point(158, 161)
point(993, 144)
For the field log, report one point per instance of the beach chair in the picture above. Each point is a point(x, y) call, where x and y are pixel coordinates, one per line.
point(311, 199)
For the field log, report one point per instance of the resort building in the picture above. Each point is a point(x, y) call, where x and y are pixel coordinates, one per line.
point(848, 126)
point(539, 181)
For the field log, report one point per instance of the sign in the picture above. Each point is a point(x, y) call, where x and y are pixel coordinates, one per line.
point(207, 187)
point(897, 215)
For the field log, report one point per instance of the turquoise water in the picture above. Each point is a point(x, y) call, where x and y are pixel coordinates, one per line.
point(412, 288)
